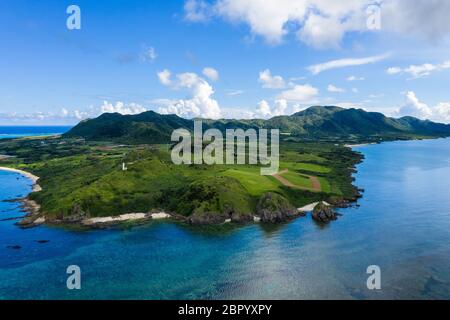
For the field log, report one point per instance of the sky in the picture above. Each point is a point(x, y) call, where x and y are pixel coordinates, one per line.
point(222, 58)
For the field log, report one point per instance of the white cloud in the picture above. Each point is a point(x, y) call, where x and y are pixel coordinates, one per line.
point(393, 70)
point(196, 10)
point(235, 92)
point(271, 82)
point(66, 116)
point(322, 32)
point(265, 111)
point(273, 19)
point(324, 23)
point(300, 93)
point(442, 111)
point(164, 77)
point(298, 107)
point(64, 112)
point(354, 78)
point(415, 108)
point(355, 90)
point(211, 73)
point(201, 103)
point(122, 108)
point(419, 71)
point(343, 63)
point(334, 89)
point(426, 19)
point(237, 113)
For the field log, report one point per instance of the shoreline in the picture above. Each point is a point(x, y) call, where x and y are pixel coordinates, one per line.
point(33, 217)
point(36, 187)
point(127, 217)
point(32, 208)
point(351, 146)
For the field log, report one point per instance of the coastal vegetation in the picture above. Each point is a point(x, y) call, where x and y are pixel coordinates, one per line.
point(90, 182)
point(82, 172)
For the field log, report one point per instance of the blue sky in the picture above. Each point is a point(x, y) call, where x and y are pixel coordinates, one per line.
point(131, 56)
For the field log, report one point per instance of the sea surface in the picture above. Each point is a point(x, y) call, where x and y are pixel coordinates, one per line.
point(402, 226)
point(26, 131)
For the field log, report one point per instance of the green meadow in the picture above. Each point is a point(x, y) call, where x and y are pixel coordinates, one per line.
point(79, 177)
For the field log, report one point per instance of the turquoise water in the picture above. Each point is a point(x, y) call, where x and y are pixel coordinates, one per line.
point(402, 225)
point(28, 131)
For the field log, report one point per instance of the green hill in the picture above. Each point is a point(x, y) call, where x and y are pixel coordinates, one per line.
point(318, 122)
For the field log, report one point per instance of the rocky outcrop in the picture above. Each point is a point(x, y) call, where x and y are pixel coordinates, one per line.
point(241, 217)
point(323, 213)
point(207, 218)
point(274, 208)
point(33, 217)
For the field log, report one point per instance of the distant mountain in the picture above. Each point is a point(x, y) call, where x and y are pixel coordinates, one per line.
point(147, 127)
point(318, 122)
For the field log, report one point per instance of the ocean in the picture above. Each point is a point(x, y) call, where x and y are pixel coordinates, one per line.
point(25, 131)
point(402, 225)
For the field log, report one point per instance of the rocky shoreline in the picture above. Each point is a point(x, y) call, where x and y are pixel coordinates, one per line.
point(271, 208)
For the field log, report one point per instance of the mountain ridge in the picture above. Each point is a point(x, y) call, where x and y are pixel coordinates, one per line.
point(316, 122)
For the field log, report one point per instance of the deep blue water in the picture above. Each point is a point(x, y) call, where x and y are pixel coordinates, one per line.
point(402, 225)
point(25, 131)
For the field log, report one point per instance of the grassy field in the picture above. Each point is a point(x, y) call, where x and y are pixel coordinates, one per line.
point(311, 167)
point(297, 179)
point(253, 181)
point(87, 177)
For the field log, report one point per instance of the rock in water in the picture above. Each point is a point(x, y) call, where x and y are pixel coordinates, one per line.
point(42, 241)
point(274, 208)
point(323, 213)
point(15, 247)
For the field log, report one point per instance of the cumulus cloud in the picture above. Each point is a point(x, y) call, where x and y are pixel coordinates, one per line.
point(200, 104)
point(122, 108)
point(324, 23)
point(265, 111)
point(164, 77)
point(66, 116)
point(393, 70)
point(415, 108)
point(426, 19)
point(334, 89)
point(419, 71)
point(271, 82)
point(343, 63)
point(300, 93)
point(273, 19)
point(211, 73)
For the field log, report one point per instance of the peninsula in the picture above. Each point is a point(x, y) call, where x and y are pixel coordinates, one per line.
point(118, 168)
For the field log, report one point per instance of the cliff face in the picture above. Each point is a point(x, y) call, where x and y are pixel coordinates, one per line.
point(323, 213)
point(274, 208)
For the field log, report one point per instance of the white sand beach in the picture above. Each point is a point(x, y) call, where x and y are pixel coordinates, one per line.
point(357, 145)
point(310, 207)
point(32, 177)
point(125, 217)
